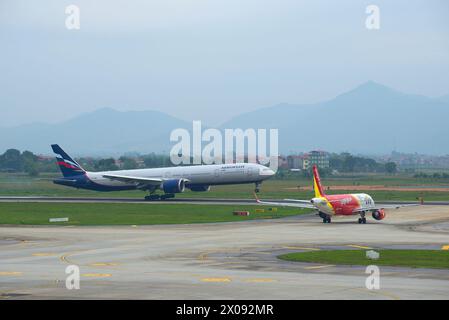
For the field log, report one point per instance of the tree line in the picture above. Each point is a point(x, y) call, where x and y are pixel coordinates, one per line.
point(346, 162)
point(12, 160)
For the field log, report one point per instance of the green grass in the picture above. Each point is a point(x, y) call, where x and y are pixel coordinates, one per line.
point(22, 185)
point(402, 258)
point(130, 214)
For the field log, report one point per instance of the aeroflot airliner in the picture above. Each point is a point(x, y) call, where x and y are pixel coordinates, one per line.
point(170, 180)
point(339, 204)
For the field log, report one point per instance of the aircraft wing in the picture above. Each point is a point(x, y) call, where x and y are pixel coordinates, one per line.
point(386, 206)
point(299, 203)
point(136, 180)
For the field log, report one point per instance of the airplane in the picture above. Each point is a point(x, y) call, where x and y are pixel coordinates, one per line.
point(338, 204)
point(170, 180)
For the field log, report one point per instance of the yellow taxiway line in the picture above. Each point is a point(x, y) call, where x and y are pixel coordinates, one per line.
point(43, 254)
point(10, 273)
point(97, 275)
point(104, 264)
point(216, 280)
point(358, 247)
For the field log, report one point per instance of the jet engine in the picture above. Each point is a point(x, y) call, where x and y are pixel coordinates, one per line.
point(174, 186)
point(200, 188)
point(379, 214)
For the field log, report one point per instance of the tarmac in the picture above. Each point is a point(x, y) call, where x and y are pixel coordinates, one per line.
point(221, 260)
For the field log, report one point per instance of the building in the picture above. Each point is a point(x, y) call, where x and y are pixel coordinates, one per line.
point(282, 162)
point(295, 162)
point(307, 160)
point(316, 157)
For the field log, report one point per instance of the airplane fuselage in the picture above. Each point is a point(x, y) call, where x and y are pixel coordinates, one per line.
point(196, 176)
point(343, 204)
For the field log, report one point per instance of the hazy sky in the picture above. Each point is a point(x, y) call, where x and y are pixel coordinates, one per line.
point(211, 59)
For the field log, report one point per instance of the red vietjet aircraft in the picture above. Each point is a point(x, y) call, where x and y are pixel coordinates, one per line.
point(338, 204)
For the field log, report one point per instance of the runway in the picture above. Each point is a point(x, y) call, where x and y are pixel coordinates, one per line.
point(173, 200)
point(220, 260)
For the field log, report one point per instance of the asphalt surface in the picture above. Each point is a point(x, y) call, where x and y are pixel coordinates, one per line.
point(221, 260)
point(173, 200)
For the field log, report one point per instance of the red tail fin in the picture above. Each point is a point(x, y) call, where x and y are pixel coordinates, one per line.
point(317, 183)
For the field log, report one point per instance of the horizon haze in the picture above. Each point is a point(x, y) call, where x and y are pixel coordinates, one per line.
point(369, 119)
point(211, 60)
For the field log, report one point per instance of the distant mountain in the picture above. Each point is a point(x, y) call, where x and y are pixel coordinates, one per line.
point(369, 119)
point(102, 132)
point(444, 98)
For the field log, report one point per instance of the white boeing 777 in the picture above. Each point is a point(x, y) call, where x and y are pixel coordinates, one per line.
point(170, 180)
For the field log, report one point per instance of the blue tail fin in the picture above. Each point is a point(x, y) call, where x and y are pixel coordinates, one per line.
point(68, 166)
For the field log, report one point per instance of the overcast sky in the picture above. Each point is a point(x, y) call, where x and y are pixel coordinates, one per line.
point(211, 59)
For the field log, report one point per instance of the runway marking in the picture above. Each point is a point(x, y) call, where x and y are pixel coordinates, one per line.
point(104, 264)
point(10, 273)
point(319, 267)
point(357, 246)
point(445, 248)
point(216, 280)
point(97, 275)
point(261, 280)
point(43, 254)
point(64, 256)
point(301, 248)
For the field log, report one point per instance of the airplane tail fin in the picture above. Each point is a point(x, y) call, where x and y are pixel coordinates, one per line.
point(67, 165)
point(317, 187)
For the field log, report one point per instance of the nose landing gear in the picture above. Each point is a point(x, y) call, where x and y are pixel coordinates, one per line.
point(257, 189)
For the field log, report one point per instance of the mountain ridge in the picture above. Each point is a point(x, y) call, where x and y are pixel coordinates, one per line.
point(370, 118)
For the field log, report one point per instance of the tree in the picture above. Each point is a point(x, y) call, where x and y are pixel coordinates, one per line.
point(390, 167)
point(106, 165)
point(30, 164)
point(11, 160)
point(128, 163)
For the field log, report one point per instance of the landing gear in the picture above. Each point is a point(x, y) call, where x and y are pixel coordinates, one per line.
point(327, 220)
point(257, 189)
point(362, 218)
point(155, 197)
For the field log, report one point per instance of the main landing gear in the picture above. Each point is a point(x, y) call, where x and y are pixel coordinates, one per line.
point(326, 218)
point(362, 218)
point(155, 197)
